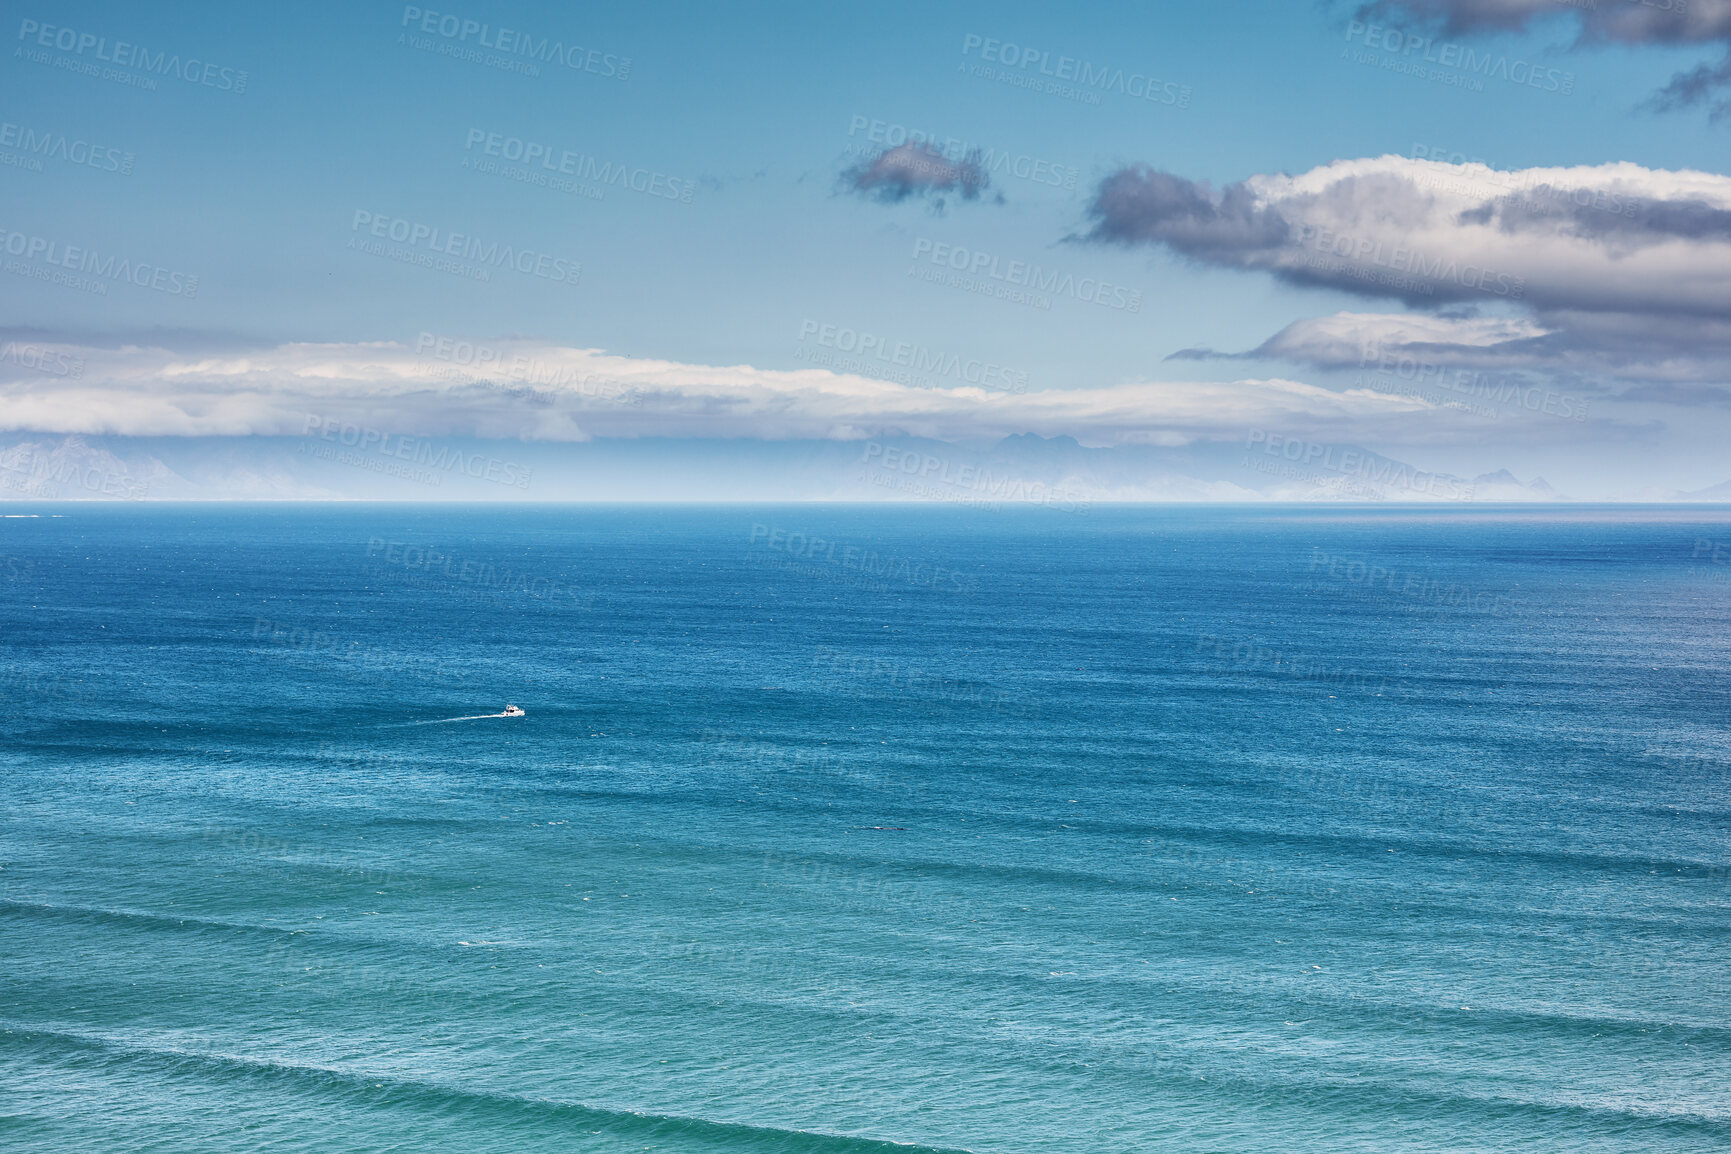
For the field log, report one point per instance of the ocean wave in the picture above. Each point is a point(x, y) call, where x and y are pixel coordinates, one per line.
point(686, 1131)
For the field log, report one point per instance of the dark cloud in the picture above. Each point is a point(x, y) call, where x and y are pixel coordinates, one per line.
point(1619, 21)
point(1240, 226)
point(1613, 272)
point(1695, 87)
point(910, 170)
point(1631, 22)
point(1615, 238)
point(1143, 205)
point(1593, 213)
point(1458, 17)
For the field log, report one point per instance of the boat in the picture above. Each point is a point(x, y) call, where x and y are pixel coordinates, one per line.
point(512, 711)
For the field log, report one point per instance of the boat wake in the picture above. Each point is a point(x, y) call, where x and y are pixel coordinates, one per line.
point(509, 711)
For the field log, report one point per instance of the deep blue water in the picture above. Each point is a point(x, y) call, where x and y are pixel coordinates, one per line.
point(1177, 830)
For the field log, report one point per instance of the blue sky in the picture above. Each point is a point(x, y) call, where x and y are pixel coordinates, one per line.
point(757, 114)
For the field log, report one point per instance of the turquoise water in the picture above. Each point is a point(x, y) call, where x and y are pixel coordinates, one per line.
point(838, 829)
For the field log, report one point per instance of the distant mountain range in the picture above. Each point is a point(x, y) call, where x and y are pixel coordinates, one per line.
point(1025, 469)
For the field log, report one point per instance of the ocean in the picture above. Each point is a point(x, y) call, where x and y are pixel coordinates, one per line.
point(844, 828)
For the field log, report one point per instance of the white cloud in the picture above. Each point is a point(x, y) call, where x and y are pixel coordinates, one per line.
point(1606, 238)
point(533, 391)
point(1343, 340)
point(1612, 270)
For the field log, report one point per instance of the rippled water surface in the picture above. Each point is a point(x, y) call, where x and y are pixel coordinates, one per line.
point(851, 829)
